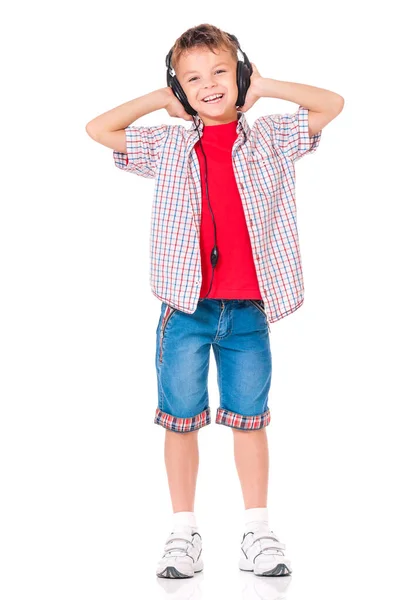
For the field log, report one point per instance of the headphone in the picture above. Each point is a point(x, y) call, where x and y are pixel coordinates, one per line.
point(244, 72)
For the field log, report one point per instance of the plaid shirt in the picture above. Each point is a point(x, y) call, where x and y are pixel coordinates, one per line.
point(263, 158)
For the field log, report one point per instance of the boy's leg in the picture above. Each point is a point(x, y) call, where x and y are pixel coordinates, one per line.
point(181, 453)
point(252, 462)
point(244, 360)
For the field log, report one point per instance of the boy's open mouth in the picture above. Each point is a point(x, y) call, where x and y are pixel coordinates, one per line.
point(213, 98)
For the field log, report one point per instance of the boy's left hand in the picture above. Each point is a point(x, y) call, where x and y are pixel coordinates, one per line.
point(252, 95)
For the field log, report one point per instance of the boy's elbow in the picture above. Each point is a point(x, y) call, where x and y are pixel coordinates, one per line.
point(341, 103)
point(90, 129)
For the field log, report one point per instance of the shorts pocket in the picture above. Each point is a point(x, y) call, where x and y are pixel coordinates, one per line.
point(259, 304)
point(168, 313)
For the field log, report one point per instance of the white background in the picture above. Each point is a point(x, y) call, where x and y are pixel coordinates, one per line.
point(85, 506)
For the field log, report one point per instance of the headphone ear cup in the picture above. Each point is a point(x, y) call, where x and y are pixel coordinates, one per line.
point(243, 82)
point(180, 94)
point(239, 84)
point(178, 91)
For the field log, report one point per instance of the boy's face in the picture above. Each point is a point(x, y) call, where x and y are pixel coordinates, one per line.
point(203, 73)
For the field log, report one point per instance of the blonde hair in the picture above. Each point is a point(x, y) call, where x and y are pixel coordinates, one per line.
point(203, 35)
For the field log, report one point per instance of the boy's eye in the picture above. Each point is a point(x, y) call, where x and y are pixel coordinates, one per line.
point(217, 71)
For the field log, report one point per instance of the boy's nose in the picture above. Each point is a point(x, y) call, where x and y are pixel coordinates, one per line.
point(209, 82)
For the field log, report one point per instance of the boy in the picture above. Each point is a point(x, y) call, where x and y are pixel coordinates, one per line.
point(250, 175)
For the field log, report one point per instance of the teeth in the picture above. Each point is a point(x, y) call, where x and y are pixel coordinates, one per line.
point(212, 97)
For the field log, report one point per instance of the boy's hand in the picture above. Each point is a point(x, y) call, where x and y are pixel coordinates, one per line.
point(252, 94)
point(175, 108)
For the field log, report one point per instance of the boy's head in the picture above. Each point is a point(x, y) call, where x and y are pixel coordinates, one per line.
point(205, 61)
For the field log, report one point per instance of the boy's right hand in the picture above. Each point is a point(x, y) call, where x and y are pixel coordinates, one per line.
point(175, 108)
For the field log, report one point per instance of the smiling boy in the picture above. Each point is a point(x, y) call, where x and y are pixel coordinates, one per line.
point(220, 67)
point(220, 171)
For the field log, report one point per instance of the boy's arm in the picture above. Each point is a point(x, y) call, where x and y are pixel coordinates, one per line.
point(322, 105)
point(109, 128)
point(299, 133)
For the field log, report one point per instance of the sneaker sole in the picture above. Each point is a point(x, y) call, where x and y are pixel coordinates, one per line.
point(173, 573)
point(280, 570)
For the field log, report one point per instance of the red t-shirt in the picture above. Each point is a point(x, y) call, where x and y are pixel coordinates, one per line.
point(235, 275)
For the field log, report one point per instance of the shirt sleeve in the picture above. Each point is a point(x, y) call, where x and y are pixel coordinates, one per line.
point(143, 150)
point(291, 134)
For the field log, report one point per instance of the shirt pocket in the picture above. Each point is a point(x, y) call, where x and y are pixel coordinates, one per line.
point(265, 171)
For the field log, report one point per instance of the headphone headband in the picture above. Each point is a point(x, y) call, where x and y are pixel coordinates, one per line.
point(231, 37)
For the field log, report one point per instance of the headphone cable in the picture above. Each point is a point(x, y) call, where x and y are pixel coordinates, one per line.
point(214, 255)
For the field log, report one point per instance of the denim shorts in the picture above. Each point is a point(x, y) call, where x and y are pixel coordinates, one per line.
point(239, 333)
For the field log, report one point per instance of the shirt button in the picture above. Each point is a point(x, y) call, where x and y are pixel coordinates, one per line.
point(241, 185)
point(251, 222)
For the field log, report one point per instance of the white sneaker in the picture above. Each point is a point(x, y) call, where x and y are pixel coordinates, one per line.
point(263, 553)
point(182, 555)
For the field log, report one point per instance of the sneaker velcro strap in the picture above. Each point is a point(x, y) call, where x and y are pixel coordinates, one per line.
point(180, 537)
point(274, 544)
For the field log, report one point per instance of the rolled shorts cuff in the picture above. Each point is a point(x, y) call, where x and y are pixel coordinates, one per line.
point(231, 419)
point(182, 425)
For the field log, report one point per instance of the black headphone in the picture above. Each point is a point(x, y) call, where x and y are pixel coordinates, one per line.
point(244, 72)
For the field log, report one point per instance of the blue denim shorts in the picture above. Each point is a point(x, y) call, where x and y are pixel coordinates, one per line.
point(239, 333)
